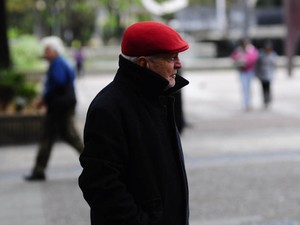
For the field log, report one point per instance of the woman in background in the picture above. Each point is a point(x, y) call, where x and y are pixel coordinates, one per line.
point(245, 57)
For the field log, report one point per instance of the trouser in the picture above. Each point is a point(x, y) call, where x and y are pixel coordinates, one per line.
point(246, 78)
point(56, 124)
point(266, 91)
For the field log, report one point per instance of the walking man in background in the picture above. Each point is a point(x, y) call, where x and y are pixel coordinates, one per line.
point(60, 101)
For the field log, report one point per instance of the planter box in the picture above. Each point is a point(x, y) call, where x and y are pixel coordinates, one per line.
point(20, 129)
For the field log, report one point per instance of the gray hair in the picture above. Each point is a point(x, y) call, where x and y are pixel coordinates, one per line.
point(53, 42)
point(135, 58)
point(130, 58)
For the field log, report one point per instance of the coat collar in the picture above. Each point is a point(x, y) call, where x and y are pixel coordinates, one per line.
point(146, 80)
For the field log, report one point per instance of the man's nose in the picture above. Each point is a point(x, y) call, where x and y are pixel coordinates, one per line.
point(177, 64)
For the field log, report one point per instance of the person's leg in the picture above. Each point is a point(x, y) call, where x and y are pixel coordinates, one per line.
point(79, 68)
point(263, 91)
point(267, 93)
point(270, 91)
point(69, 132)
point(47, 140)
point(246, 78)
point(243, 87)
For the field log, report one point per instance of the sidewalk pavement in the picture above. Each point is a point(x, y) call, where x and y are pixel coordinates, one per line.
point(219, 135)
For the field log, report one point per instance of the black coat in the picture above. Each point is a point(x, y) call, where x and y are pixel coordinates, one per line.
point(133, 169)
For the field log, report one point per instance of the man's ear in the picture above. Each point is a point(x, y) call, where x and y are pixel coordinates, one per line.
point(142, 62)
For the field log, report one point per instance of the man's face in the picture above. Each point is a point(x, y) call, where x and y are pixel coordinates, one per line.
point(49, 53)
point(165, 65)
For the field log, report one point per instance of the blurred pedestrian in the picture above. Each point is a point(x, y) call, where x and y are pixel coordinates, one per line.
point(245, 57)
point(265, 69)
point(60, 101)
point(133, 167)
point(79, 61)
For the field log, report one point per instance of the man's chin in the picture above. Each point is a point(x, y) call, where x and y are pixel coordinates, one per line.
point(171, 84)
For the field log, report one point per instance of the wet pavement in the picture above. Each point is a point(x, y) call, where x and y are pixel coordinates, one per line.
point(243, 167)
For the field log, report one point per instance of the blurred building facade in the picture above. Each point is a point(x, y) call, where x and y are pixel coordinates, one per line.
point(225, 22)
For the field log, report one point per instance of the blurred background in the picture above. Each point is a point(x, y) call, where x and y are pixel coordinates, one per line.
point(216, 25)
point(243, 167)
point(212, 27)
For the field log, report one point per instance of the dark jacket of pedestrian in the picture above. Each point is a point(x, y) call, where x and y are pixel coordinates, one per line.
point(265, 71)
point(59, 93)
point(266, 64)
point(134, 136)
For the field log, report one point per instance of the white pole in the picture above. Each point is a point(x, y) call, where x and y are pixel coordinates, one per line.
point(221, 14)
point(246, 19)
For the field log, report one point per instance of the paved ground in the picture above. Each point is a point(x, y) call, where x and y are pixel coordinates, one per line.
point(243, 167)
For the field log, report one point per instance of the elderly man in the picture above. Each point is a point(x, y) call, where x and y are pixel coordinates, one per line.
point(133, 168)
point(59, 98)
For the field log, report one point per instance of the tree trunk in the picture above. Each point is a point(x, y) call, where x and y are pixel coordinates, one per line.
point(5, 62)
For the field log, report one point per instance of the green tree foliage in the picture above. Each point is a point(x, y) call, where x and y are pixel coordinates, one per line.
point(19, 15)
point(75, 19)
point(26, 51)
point(119, 14)
point(83, 18)
point(15, 87)
point(69, 19)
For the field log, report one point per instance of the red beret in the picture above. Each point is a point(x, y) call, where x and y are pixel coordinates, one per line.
point(150, 38)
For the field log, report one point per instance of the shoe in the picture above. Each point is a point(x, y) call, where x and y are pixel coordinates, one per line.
point(35, 177)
